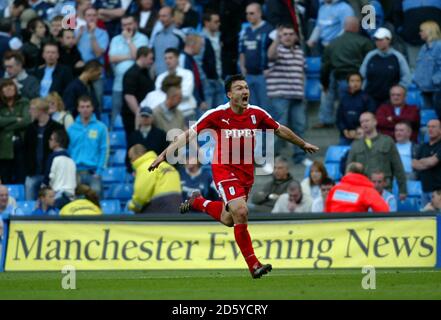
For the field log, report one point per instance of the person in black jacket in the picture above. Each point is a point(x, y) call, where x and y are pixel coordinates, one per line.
point(53, 76)
point(148, 135)
point(69, 54)
point(36, 145)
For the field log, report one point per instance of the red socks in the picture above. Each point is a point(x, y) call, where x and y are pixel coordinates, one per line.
point(212, 208)
point(243, 240)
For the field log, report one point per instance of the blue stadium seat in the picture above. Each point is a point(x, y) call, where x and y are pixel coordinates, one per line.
point(126, 209)
point(427, 115)
point(414, 188)
point(111, 206)
point(333, 170)
point(114, 174)
point(117, 140)
point(118, 125)
point(120, 191)
point(105, 118)
point(313, 65)
point(107, 103)
point(334, 154)
point(312, 89)
point(118, 159)
point(17, 191)
point(26, 206)
point(409, 205)
point(414, 97)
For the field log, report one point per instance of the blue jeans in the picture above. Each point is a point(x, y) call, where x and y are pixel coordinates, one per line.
point(258, 95)
point(291, 113)
point(32, 186)
point(214, 93)
point(92, 180)
point(335, 91)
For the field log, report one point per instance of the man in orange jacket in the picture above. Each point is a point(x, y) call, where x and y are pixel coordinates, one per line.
point(355, 193)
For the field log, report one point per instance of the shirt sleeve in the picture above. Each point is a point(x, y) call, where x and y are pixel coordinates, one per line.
point(207, 121)
point(268, 122)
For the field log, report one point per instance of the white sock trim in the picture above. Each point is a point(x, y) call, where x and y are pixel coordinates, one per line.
point(205, 204)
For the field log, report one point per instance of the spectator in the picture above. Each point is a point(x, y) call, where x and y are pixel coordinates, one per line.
point(195, 178)
point(122, 55)
point(427, 162)
point(168, 37)
point(341, 58)
point(407, 149)
point(36, 145)
point(83, 85)
point(147, 16)
point(377, 178)
point(92, 41)
point(52, 75)
point(355, 193)
point(434, 205)
point(137, 83)
point(191, 17)
point(89, 145)
point(81, 7)
point(55, 28)
point(188, 104)
point(193, 46)
point(352, 104)
point(388, 115)
point(43, 8)
point(293, 201)
point(157, 191)
point(318, 204)
point(311, 184)
point(156, 97)
point(69, 54)
point(254, 42)
point(378, 152)
point(57, 110)
point(428, 66)
point(27, 84)
point(383, 68)
point(45, 203)
point(14, 117)
point(60, 169)
point(7, 42)
point(112, 13)
point(330, 22)
point(15, 11)
point(32, 49)
point(285, 84)
point(167, 116)
point(285, 13)
point(5, 206)
point(210, 59)
point(87, 203)
point(147, 134)
point(265, 200)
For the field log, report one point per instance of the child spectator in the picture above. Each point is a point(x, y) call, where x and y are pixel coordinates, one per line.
point(45, 203)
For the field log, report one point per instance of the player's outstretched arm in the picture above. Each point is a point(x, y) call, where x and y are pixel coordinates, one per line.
point(287, 134)
point(180, 141)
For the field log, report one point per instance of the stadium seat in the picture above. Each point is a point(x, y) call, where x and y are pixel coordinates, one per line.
point(118, 159)
point(118, 125)
point(414, 97)
point(409, 205)
point(120, 191)
point(114, 174)
point(26, 206)
point(105, 118)
point(426, 116)
point(126, 209)
point(333, 170)
point(334, 154)
point(107, 103)
point(111, 206)
point(17, 191)
point(414, 188)
point(117, 140)
point(312, 89)
point(313, 65)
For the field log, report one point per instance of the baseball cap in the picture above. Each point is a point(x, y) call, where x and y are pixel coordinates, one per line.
point(146, 111)
point(26, 16)
point(382, 33)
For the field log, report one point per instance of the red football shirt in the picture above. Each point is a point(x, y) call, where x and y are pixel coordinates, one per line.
point(235, 137)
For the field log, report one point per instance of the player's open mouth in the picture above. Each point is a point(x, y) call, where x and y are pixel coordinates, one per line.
point(245, 99)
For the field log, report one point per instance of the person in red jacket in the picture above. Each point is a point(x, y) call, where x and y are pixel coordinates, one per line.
point(388, 115)
point(355, 193)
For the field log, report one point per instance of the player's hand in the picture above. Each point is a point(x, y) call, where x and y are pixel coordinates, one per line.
point(157, 162)
point(310, 148)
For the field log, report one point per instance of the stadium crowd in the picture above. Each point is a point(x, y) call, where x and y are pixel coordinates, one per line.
point(87, 100)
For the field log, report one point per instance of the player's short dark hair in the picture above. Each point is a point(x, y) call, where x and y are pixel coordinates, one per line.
point(172, 50)
point(230, 80)
point(92, 64)
point(16, 55)
point(61, 137)
point(143, 52)
point(85, 98)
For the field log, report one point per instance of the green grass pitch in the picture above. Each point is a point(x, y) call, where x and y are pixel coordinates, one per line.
point(224, 285)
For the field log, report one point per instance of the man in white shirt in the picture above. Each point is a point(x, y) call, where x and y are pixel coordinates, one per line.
point(405, 147)
point(293, 201)
point(379, 182)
